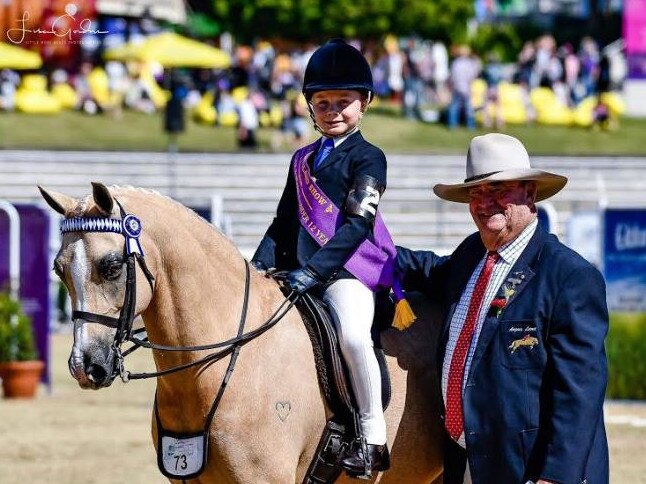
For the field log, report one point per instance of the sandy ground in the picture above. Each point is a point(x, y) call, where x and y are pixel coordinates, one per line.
point(78, 436)
point(71, 436)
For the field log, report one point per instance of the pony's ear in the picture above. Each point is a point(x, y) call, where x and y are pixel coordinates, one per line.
point(58, 201)
point(102, 198)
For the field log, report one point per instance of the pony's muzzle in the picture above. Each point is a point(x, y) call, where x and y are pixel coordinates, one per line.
point(93, 369)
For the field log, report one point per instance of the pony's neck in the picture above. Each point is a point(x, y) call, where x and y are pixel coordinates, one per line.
point(197, 300)
point(199, 277)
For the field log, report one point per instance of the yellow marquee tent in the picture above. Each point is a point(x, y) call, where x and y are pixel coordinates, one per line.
point(172, 50)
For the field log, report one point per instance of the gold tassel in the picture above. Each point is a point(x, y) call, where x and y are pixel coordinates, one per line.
point(404, 315)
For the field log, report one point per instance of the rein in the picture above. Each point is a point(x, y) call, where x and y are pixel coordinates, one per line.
point(130, 227)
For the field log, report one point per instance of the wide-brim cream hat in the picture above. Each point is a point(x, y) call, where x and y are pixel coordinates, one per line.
point(497, 157)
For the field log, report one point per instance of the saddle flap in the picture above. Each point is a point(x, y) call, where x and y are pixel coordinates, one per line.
point(331, 368)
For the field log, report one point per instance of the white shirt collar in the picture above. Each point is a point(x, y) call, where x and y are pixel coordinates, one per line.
point(512, 250)
point(340, 139)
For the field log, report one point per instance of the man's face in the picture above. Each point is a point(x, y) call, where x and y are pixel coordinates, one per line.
point(337, 112)
point(501, 210)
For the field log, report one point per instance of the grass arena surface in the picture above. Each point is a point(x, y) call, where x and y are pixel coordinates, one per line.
point(74, 436)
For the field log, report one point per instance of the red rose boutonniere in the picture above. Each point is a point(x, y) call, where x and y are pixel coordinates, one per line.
point(499, 303)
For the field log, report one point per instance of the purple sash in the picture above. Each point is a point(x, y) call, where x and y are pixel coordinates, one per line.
point(371, 263)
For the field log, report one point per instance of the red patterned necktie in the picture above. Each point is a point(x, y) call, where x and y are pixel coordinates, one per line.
point(454, 417)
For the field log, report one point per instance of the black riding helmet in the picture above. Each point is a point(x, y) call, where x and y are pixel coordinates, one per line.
point(335, 66)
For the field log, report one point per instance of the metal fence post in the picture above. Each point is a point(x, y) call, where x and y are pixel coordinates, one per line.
point(14, 248)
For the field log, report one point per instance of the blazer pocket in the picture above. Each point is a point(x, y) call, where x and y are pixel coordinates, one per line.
point(521, 345)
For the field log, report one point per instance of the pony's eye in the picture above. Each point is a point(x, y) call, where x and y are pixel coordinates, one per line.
point(111, 266)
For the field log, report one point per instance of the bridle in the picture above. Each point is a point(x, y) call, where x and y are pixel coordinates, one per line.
point(130, 227)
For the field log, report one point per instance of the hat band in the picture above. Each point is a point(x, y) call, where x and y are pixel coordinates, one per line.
point(480, 177)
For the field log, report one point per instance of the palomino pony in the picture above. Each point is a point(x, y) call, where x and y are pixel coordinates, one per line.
point(190, 290)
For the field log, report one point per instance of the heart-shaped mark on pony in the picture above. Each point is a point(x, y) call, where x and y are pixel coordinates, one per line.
point(283, 409)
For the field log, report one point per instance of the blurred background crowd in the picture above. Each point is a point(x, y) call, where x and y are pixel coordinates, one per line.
point(494, 73)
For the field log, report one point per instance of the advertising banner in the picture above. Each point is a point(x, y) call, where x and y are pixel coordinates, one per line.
point(624, 259)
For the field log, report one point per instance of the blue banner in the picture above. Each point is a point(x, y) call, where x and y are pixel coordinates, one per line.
point(624, 259)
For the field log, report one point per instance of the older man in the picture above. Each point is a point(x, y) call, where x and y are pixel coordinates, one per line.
point(522, 355)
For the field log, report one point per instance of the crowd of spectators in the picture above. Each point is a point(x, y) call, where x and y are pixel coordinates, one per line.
point(423, 79)
point(571, 75)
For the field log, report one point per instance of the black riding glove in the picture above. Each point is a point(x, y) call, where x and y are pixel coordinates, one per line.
point(259, 265)
point(300, 280)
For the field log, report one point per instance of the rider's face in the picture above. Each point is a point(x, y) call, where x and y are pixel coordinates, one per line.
point(337, 112)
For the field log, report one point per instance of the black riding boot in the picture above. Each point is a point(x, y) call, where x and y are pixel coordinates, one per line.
point(360, 463)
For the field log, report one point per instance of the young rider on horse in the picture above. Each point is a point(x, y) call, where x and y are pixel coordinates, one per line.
point(326, 216)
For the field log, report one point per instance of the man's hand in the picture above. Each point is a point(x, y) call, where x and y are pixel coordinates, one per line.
point(543, 481)
point(300, 280)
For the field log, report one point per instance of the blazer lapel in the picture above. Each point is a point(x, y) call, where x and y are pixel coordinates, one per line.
point(339, 153)
point(515, 282)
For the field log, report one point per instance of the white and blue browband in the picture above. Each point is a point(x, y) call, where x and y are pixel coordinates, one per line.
point(129, 227)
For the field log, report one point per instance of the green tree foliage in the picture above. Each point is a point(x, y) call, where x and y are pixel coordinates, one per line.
point(501, 39)
point(318, 20)
point(444, 20)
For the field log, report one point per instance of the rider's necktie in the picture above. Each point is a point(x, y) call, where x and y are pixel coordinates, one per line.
point(324, 151)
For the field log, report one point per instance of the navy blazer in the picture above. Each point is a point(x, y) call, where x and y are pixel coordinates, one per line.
point(530, 411)
point(287, 245)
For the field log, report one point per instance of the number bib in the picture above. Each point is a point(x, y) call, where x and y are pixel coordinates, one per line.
point(181, 456)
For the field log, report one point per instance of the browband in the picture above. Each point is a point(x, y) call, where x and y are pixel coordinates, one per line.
point(129, 226)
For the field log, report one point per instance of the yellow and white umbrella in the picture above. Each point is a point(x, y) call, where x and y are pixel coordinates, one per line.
point(12, 57)
point(172, 50)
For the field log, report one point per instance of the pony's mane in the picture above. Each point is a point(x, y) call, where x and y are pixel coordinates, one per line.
point(115, 190)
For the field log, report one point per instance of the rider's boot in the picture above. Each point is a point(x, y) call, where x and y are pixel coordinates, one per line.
point(361, 459)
